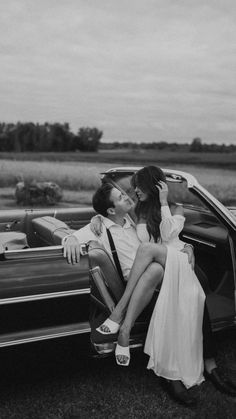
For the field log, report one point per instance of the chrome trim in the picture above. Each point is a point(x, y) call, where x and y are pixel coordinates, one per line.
point(35, 250)
point(44, 337)
point(232, 250)
point(107, 348)
point(101, 351)
point(37, 297)
point(185, 236)
point(223, 324)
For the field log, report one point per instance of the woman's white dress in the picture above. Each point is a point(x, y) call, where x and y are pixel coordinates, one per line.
point(174, 340)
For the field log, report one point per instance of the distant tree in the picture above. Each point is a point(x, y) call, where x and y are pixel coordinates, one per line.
point(87, 139)
point(196, 145)
point(4, 138)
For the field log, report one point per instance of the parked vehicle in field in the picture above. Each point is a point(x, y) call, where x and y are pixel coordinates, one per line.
point(43, 297)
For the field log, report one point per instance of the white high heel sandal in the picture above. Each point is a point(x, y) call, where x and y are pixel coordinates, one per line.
point(122, 351)
point(111, 325)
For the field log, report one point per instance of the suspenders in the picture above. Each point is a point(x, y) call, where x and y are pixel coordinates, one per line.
point(115, 256)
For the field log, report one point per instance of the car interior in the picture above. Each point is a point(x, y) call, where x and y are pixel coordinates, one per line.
point(213, 247)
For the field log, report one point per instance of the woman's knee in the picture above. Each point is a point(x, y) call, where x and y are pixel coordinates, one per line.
point(152, 252)
point(147, 249)
point(156, 272)
point(144, 247)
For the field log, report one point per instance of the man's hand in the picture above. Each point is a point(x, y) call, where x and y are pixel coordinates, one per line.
point(189, 250)
point(72, 250)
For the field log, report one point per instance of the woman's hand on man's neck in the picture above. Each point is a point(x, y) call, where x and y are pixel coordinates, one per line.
point(117, 219)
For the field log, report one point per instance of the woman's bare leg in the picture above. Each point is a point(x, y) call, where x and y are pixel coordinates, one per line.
point(146, 254)
point(140, 298)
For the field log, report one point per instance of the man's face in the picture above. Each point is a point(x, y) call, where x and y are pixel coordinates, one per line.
point(125, 184)
point(121, 201)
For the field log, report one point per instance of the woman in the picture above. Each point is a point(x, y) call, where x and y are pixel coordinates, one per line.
point(174, 338)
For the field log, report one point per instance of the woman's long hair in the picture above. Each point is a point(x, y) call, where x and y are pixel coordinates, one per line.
point(150, 209)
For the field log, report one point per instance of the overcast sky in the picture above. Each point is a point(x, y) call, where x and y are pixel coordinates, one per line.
point(140, 70)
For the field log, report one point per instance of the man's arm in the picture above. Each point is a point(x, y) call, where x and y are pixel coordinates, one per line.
point(72, 243)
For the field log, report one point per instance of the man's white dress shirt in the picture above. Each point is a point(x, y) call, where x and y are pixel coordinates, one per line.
point(125, 239)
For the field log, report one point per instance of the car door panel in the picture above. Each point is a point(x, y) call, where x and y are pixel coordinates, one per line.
point(42, 296)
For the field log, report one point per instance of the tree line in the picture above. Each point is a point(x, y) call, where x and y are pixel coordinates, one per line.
point(28, 136)
point(196, 146)
point(57, 137)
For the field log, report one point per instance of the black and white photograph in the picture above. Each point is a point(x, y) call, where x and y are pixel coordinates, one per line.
point(118, 209)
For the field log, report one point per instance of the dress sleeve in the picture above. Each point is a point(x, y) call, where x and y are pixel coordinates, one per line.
point(171, 225)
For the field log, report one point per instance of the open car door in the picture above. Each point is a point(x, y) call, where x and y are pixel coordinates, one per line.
point(106, 290)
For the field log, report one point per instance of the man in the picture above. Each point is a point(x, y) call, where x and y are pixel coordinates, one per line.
point(114, 205)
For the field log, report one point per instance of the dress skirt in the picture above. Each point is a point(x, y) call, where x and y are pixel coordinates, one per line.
point(174, 340)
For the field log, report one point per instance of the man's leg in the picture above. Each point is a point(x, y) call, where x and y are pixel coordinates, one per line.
point(209, 352)
point(140, 298)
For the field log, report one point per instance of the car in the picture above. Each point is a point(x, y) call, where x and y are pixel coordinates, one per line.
point(43, 297)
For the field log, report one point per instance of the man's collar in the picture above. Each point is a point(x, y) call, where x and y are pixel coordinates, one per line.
point(108, 223)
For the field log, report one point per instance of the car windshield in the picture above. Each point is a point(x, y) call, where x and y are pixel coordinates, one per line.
point(233, 211)
point(179, 193)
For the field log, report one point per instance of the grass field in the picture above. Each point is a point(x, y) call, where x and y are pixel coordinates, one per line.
point(80, 179)
point(135, 157)
point(49, 380)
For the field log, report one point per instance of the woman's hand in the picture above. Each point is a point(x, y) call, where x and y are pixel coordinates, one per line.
point(96, 225)
point(163, 192)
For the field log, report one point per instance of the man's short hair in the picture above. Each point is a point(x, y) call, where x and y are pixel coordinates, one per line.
point(102, 199)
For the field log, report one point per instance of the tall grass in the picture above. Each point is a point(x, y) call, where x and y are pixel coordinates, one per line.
point(81, 176)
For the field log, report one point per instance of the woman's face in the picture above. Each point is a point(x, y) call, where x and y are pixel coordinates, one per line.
point(142, 196)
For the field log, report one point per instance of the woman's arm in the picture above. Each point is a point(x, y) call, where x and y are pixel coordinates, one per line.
point(172, 219)
point(96, 225)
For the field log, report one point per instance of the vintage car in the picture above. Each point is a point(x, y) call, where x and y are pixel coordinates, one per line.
point(43, 297)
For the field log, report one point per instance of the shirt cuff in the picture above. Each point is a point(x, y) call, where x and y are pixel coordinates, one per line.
point(165, 211)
